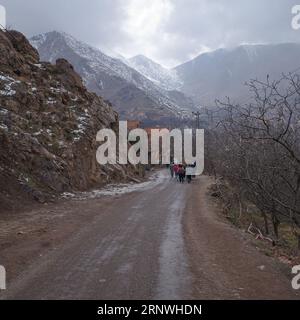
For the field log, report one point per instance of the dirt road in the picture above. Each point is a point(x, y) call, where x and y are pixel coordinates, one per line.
point(160, 241)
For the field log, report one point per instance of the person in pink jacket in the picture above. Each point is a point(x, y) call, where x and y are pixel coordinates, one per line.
point(176, 171)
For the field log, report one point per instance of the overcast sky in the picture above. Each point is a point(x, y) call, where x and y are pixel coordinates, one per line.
point(168, 31)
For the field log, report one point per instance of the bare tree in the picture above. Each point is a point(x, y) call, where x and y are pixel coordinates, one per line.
point(256, 147)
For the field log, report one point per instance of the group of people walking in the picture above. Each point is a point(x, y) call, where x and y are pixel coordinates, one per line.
point(182, 172)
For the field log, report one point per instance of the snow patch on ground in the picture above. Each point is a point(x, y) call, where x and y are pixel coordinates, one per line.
point(3, 127)
point(3, 111)
point(118, 189)
point(51, 101)
point(8, 82)
point(82, 125)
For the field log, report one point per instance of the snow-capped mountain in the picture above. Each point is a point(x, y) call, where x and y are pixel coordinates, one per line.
point(142, 89)
point(165, 78)
point(131, 93)
point(217, 74)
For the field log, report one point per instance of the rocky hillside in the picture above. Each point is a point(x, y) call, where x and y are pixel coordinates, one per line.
point(133, 94)
point(48, 125)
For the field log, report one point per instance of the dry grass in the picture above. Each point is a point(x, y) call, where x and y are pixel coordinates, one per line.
point(241, 216)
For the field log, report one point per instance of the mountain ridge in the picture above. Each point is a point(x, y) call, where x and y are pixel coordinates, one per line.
point(142, 89)
point(223, 72)
point(167, 78)
point(109, 77)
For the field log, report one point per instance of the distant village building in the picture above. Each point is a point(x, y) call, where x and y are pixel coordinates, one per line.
point(149, 131)
point(133, 124)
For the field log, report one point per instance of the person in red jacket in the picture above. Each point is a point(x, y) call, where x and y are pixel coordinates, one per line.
point(176, 171)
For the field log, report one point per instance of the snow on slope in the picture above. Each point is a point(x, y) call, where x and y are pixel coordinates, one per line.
point(59, 42)
point(167, 79)
point(119, 189)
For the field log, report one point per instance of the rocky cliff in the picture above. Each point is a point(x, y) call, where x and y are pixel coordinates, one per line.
point(48, 126)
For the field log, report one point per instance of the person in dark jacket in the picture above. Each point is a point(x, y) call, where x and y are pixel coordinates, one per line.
point(181, 173)
point(172, 170)
point(189, 173)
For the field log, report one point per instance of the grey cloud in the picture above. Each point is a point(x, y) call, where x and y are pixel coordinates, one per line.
point(93, 21)
point(191, 26)
point(229, 23)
